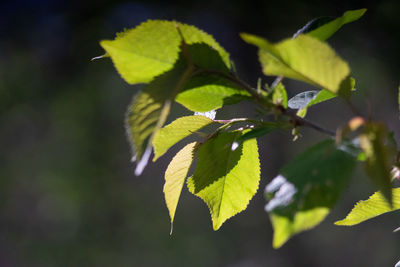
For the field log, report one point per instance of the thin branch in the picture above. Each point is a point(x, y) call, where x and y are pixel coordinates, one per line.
point(261, 100)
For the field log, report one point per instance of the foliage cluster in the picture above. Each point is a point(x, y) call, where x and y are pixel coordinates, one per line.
point(180, 63)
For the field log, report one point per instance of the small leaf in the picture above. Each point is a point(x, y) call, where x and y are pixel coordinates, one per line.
point(322, 96)
point(380, 156)
point(279, 95)
point(303, 58)
point(152, 48)
point(149, 110)
point(370, 208)
point(302, 99)
point(175, 176)
point(307, 189)
point(209, 92)
point(176, 131)
point(227, 175)
point(325, 27)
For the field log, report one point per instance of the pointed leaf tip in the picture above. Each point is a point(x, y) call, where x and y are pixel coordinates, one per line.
point(374, 206)
point(175, 177)
point(226, 179)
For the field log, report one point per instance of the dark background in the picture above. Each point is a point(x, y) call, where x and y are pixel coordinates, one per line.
point(68, 195)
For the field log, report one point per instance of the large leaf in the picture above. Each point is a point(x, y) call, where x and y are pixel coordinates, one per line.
point(175, 176)
point(306, 59)
point(227, 175)
point(149, 110)
point(380, 156)
point(150, 49)
point(209, 92)
point(324, 27)
point(306, 189)
point(370, 208)
point(176, 131)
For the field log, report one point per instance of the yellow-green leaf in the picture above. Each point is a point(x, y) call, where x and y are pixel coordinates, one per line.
point(370, 208)
point(152, 48)
point(149, 110)
point(227, 175)
point(303, 58)
point(175, 176)
point(176, 131)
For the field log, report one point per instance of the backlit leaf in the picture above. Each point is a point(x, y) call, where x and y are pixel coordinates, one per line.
point(279, 95)
point(227, 175)
point(306, 189)
point(153, 47)
point(149, 110)
point(176, 131)
point(370, 208)
point(306, 59)
point(175, 176)
point(209, 92)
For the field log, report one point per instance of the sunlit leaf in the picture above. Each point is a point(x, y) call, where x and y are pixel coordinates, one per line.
point(279, 95)
point(370, 208)
point(149, 110)
point(306, 59)
point(227, 175)
point(209, 92)
point(153, 47)
point(175, 176)
point(172, 133)
point(306, 189)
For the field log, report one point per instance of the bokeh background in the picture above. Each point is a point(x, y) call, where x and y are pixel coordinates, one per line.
point(68, 195)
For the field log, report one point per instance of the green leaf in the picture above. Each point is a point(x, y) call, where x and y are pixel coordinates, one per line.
point(152, 48)
point(149, 110)
point(307, 189)
point(380, 156)
point(175, 176)
point(325, 27)
point(176, 131)
point(370, 208)
point(303, 58)
point(227, 175)
point(322, 96)
point(279, 95)
point(209, 92)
